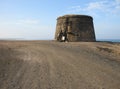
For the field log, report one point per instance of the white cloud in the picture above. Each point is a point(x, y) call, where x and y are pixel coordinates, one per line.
point(27, 21)
point(117, 1)
point(20, 22)
point(94, 5)
point(105, 7)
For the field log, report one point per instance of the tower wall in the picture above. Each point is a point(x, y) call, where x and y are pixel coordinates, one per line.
point(77, 27)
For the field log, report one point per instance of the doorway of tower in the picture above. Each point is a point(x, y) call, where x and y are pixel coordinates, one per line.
point(62, 36)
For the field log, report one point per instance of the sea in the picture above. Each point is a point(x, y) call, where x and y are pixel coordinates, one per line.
point(109, 40)
point(102, 40)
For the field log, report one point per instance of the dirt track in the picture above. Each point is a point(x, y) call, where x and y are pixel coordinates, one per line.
point(54, 65)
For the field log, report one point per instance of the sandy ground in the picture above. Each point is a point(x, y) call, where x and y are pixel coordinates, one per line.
point(54, 65)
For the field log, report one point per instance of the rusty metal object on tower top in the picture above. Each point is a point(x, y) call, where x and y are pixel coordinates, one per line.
point(75, 28)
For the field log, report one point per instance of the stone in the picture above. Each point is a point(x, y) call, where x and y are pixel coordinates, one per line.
point(75, 28)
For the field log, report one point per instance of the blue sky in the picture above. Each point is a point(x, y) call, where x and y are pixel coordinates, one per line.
point(36, 19)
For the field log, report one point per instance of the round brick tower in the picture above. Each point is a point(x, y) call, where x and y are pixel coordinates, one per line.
point(75, 28)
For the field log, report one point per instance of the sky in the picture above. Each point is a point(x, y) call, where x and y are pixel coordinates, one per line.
point(36, 19)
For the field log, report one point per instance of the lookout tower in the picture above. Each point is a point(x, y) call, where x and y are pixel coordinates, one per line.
point(75, 28)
